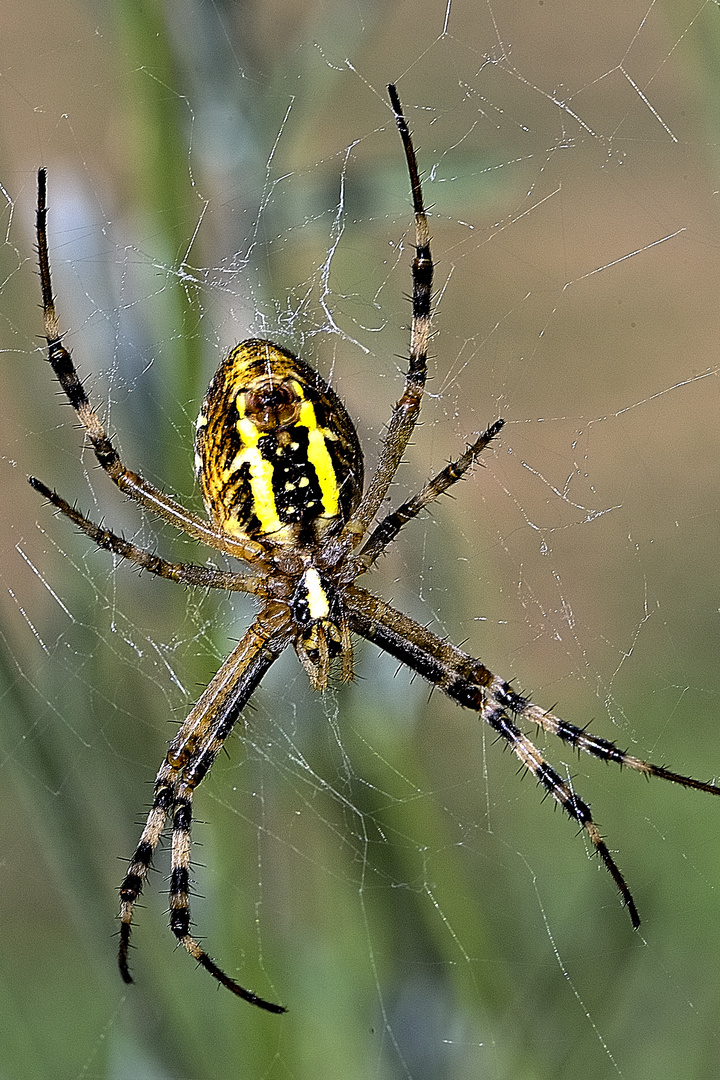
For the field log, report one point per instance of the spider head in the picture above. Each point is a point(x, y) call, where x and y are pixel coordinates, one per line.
point(322, 633)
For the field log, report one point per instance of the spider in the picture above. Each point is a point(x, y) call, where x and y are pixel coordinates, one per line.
point(281, 472)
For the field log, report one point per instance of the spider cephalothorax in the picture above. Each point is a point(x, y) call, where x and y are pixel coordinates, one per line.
point(281, 472)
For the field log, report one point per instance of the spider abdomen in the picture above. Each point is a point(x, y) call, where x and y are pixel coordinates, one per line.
point(277, 454)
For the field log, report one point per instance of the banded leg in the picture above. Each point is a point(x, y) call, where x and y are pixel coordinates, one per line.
point(180, 902)
point(582, 740)
point(405, 414)
point(531, 758)
point(189, 757)
point(385, 531)
point(207, 577)
point(467, 681)
point(133, 485)
point(141, 861)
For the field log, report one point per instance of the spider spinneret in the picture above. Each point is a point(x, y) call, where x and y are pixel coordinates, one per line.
point(281, 472)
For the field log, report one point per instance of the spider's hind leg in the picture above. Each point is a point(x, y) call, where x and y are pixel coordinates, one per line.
point(407, 410)
point(386, 530)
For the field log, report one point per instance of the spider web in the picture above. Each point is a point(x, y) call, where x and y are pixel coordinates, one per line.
point(369, 857)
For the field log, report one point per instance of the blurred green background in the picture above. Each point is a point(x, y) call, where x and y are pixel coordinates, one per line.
point(370, 858)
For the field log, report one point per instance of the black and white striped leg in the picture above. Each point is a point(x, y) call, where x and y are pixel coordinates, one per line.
point(468, 682)
point(386, 530)
point(583, 740)
point(180, 902)
point(578, 810)
point(190, 756)
point(141, 862)
point(407, 410)
point(207, 577)
point(132, 484)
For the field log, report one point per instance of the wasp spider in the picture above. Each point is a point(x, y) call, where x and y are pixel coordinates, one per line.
point(281, 472)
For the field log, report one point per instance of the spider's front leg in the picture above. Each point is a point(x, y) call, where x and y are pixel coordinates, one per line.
point(189, 758)
point(467, 681)
point(141, 861)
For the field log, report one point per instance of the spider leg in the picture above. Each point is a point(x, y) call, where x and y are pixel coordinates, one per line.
point(386, 530)
point(141, 862)
point(180, 902)
point(190, 755)
point(529, 755)
point(467, 681)
point(405, 414)
point(208, 577)
point(460, 675)
point(133, 485)
point(584, 740)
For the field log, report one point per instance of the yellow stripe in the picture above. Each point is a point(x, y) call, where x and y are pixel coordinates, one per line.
point(320, 459)
point(261, 477)
point(262, 470)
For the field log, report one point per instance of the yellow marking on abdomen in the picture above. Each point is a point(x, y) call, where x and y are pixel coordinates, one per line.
point(261, 477)
point(319, 458)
